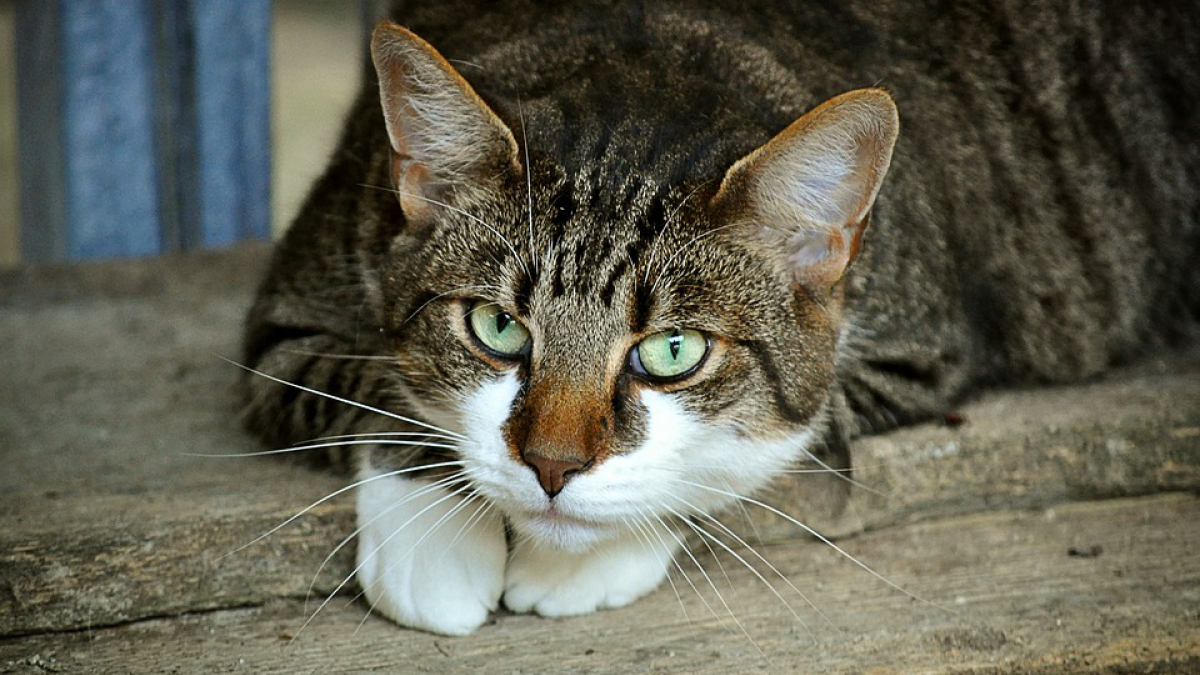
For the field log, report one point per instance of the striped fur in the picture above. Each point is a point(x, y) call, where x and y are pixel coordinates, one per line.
point(1040, 222)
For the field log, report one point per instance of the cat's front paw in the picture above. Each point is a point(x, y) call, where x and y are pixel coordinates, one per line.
point(425, 560)
point(613, 573)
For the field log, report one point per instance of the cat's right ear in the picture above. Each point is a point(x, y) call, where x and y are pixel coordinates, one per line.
point(444, 137)
point(808, 191)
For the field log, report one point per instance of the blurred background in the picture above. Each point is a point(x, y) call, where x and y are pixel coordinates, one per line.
point(316, 52)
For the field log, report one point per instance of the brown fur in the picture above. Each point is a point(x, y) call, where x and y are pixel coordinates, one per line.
point(1040, 221)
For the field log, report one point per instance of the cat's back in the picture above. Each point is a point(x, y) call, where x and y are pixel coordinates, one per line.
point(1041, 219)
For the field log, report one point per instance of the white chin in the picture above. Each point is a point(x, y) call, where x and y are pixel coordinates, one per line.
point(562, 532)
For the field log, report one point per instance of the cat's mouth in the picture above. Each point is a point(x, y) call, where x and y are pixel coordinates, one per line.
point(553, 514)
point(552, 525)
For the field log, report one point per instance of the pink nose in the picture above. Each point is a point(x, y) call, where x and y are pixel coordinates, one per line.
point(554, 473)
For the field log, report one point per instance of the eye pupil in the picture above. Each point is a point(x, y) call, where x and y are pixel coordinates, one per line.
point(674, 343)
point(496, 329)
point(670, 355)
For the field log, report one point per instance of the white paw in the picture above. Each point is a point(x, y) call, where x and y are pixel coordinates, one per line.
point(613, 573)
point(425, 559)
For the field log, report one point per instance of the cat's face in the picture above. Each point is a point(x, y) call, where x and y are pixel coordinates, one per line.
point(642, 363)
point(616, 357)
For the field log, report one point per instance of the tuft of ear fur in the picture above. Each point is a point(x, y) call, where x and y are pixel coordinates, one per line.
point(443, 136)
point(810, 189)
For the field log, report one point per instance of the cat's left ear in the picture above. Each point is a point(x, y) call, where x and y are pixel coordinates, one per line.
point(444, 137)
point(811, 188)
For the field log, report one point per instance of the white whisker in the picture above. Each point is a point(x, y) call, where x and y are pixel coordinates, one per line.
point(721, 598)
point(318, 446)
point(459, 211)
point(742, 542)
point(666, 226)
point(639, 530)
point(528, 184)
point(802, 471)
point(400, 502)
point(439, 296)
point(480, 513)
point(339, 399)
point(741, 510)
point(818, 535)
point(683, 573)
point(713, 554)
point(705, 534)
point(382, 434)
point(354, 572)
point(684, 248)
point(437, 524)
point(843, 474)
point(331, 495)
point(327, 355)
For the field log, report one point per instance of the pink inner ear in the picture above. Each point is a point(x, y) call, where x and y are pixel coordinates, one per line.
point(810, 248)
point(435, 120)
point(819, 258)
point(412, 181)
point(816, 181)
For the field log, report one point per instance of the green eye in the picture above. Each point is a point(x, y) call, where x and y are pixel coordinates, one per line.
point(670, 354)
point(498, 330)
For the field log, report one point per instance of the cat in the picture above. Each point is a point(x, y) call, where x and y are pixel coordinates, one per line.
point(586, 269)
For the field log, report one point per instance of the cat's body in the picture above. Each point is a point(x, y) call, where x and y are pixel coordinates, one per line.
point(1039, 222)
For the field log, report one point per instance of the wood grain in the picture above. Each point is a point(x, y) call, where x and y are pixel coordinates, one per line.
point(113, 553)
point(1000, 593)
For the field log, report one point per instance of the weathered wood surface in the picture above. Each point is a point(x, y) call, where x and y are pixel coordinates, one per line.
point(1013, 600)
point(112, 552)
point(1134, 432)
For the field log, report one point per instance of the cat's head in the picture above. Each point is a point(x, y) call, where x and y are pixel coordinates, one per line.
point(616, 354)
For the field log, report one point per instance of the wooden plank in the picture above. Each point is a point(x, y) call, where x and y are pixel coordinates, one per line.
point(152, 559)
point(1134, 432)
point(112, 371)
point(1010, 596)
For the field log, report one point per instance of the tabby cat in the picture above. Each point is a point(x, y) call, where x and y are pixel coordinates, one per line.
point(590, 268)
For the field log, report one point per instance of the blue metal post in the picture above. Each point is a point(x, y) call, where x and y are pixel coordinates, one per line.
point(232, 96)
point(108, 127)
point(144, 125)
